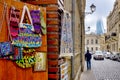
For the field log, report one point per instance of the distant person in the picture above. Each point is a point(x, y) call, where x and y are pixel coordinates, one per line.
point(88, 59)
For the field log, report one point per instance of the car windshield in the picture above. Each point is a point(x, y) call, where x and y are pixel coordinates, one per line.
point(98, 52)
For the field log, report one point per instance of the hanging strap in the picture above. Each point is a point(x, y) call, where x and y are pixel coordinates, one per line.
point(3, 16)
point(25, 9)
point(8, 22)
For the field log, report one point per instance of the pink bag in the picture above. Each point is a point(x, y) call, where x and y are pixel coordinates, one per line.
point(14, 21)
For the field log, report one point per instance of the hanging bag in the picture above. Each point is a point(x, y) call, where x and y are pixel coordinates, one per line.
point(6, 48)
point(27, 37)
point(35, 14)
point(14, 21)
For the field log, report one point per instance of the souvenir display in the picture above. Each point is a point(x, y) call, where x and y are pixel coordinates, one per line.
point(40, 63)
point(14, 21)
point(23, 38)
point(26, 36)
point(35, 14)
point(66, 47)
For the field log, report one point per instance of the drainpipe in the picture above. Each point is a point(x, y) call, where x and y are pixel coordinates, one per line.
point(81, 36)
point(73, 34)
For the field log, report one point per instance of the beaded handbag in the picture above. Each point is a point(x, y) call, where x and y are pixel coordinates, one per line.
point(27, 37)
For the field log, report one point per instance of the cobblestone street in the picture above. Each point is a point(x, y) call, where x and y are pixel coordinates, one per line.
point(102, 70)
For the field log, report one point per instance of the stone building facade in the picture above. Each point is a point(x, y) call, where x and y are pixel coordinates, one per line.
point(112, 37)
point(94, 42)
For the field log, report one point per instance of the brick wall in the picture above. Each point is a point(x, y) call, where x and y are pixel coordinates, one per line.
point(53, 37)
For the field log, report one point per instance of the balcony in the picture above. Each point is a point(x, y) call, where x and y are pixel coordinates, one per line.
point(111, 38)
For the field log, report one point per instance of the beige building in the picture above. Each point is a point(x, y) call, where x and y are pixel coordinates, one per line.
point(92, 42)
point(112, 37)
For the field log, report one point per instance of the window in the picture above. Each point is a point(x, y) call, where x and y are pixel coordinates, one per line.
point(87, 41)
point(96, 41)
point(92, 41)
point(96, 48)
point(91, 48)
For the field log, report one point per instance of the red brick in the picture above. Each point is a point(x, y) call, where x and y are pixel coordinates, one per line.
point(52, 15)
point(53, 48)
point(53, 63)
point(53, 42)
point(53, 69)
point(53, 28)
point(52, 8)
point(53, 76)
point(53, 56)
point(52, 35)
point(53, 21)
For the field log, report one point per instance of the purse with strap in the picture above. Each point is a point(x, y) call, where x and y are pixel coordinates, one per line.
point(27, 37)
point(6, 48)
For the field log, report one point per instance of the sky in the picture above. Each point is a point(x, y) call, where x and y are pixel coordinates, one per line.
point(103, 8)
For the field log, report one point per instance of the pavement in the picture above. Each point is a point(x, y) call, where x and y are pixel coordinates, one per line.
point(102, 70)
point(87, 74)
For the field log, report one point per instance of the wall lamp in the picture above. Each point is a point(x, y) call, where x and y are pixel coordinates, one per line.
point(88, 29)
point(92, 8)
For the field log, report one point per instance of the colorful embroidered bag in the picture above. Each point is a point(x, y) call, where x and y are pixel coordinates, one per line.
point(27, 37)
point(6, 49)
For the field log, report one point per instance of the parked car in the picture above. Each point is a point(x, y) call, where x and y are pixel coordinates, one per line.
point(118, 58)
point(114, 56)
point(98, 55)
point(107, 55)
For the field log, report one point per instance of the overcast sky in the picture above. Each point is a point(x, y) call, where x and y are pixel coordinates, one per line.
point(103, 8)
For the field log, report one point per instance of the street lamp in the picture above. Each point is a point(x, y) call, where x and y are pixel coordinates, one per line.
point(88, 29)
point(92, 8)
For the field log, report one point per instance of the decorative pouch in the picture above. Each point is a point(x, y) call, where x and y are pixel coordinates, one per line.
point(6, 49)
point(35, 14)
point(14, 21)
point(17, 54)
point(26, 62)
